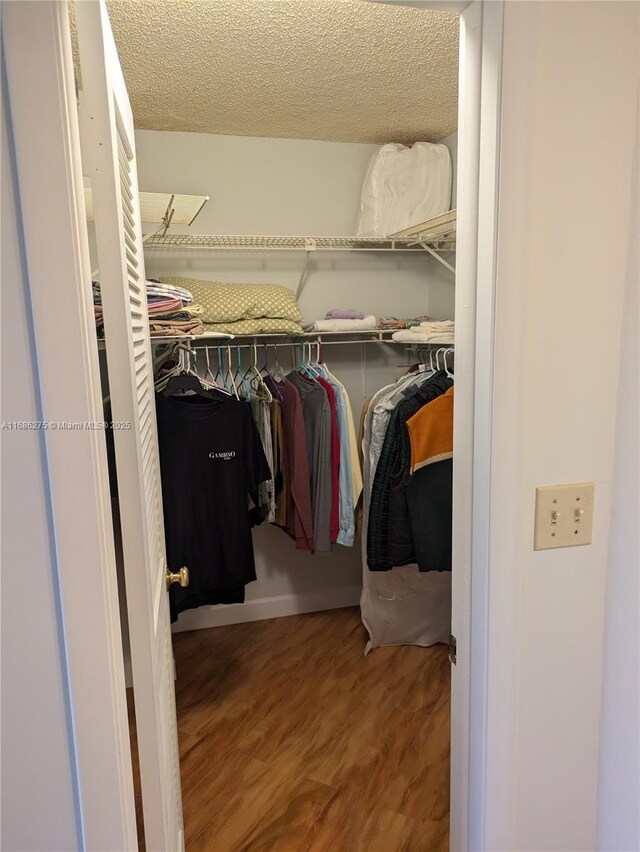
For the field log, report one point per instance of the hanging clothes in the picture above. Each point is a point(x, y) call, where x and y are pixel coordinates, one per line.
point(402, 606)
point(390, 539)
point(355, 464)
point(280, 483)
point(262, 418)
point(335, 458)
point(346, 490)
point(211, 463)
point(317, 422)
point(299, 512)
point(430, 487)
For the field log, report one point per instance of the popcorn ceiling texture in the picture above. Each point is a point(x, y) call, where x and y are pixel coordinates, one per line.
point(340, 70)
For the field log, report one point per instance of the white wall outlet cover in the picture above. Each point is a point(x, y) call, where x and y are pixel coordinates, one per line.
point(564, 515)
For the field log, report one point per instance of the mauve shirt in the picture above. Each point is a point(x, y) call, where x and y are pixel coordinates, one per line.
point(317, 425)
point(298, 512)
point(335, 459)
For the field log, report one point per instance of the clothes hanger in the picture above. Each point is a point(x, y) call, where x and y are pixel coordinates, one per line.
point(278, 373)
point(187, 379)
point(315, 367)
point(422, 366)
point(239, 377)
point(208, 370)
point(207, 382)
point(310, 368)
point(229, 377)
point(446, 368)
point(269, 380)
point(219, 377)
point(265, 368)
point(303, 366)
point(257, 383)
point(186, 382)
point(176, 351)
point(441, 353)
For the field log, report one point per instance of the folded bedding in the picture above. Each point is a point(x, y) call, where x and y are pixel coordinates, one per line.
point(167, 291)
point(193, 311)
point(369, 323)
point(225, 302)
point(164, 306)
point(170, 309)
point(165, 328)
point(181, 316)
point(439, 327)
point(408, 335)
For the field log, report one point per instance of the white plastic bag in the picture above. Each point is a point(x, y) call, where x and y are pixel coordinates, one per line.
point(406, 607)
point(404, 186)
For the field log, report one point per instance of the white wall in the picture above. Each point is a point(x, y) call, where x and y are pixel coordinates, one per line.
point(570, 79)
point(39, 805)
point(284, 186)
point(619, 799)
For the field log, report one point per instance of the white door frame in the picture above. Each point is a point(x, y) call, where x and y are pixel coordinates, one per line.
point(478, 160)
point(42, 103)
point(40, 80)
point(479, 111)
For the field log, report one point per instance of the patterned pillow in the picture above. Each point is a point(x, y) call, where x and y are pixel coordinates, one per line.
point(231, 302)
point(263, 325)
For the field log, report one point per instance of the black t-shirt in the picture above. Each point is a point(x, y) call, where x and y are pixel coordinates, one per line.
point(211, 461)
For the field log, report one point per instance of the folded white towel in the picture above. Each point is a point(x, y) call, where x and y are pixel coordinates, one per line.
point(446, 326)
point(441, 338)
point(413, 336)
point(367, 324)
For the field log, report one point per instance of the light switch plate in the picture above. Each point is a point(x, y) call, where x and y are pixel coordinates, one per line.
point(564, 515)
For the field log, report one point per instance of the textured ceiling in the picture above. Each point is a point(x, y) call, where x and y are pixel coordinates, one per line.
point(342, 70)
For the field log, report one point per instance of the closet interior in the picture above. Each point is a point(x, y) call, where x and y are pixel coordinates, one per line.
point(301, 316)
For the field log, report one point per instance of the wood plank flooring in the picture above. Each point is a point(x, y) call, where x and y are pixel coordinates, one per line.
point(292, 740)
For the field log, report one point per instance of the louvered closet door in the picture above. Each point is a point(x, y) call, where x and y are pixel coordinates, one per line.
point(109, 161)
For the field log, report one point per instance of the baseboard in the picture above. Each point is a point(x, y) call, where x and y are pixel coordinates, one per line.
point(276, 607)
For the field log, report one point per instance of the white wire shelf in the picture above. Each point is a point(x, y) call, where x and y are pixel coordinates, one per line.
point(438, 231)
point(247, 242)
point(437, 236)
point(380, 335)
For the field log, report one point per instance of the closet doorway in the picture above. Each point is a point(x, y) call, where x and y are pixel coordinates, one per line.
point(289, 736)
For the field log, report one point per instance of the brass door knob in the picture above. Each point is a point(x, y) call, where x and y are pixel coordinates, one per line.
point(181, 576)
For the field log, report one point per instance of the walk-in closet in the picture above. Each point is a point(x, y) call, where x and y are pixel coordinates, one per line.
point(273, 257)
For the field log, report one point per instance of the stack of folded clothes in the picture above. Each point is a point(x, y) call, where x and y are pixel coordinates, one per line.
point(393, 323)
point(171, 310)
point(242, 309)
point(97, 308)
point(428, 332)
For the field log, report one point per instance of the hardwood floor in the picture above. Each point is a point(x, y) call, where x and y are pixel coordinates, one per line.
point(292, 740)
